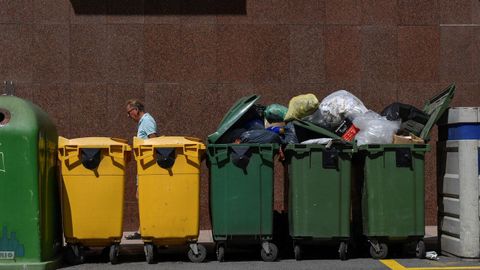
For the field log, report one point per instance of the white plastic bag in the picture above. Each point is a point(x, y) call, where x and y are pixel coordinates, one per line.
point(375, 129)
point(335, 107)
point(318, 141)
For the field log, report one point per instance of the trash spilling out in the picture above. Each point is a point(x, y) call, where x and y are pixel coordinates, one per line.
point(432, 255)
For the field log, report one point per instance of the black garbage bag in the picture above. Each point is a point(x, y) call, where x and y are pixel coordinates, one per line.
point(404, 112)
point(91, 157)
point(413, 119)
point(260, 136)
point(231, 135)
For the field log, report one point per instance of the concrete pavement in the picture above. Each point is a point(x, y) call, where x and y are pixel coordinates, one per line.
point(132, 257)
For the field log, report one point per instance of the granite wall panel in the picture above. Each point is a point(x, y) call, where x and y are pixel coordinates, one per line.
point(307, 50)
point(51, 53)
point(383, 12)
point(418, 53)
point(190, 60)
point(343, 53)
point(16, 52)
point(418, 12)
point(457, 54)
point(88, 52)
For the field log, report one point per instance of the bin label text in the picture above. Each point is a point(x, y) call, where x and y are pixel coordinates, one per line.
point(7, 255)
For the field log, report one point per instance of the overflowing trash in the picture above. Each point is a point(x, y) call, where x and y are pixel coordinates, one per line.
point(340, 113)
point(375, 129)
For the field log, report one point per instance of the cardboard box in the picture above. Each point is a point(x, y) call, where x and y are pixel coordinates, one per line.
point(411, 139)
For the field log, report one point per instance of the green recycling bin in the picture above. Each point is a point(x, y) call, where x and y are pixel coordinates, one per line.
point(241, 186)
point(30, 225)
point(319, 189)
point(392, 196)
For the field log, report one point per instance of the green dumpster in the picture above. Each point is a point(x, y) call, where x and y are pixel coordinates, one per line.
point(319, 189)
point(30, 226)
point(241, 193)
point(392, 195)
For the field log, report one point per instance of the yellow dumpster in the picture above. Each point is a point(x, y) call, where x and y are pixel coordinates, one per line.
point(93, 182)
point(168, 169)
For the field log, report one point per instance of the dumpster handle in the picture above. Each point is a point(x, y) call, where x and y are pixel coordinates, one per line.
point(143, 147)
point(221, 156)
point(63, 157)
point(116, 154)
point(188, 148)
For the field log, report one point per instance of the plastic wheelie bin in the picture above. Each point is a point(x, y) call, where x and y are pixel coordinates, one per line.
point(319, 189)
point(241, 186)
point(394, 185)
point(93, 183)
point(30, 224)
point(168, 170)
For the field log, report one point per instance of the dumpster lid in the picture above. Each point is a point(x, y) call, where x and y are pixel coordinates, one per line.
point(435, 107)
point(306, 131)
point(92, 142)
point(168, 141)
point(233, 115)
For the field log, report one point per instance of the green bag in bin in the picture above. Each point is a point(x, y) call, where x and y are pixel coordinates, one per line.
point(275, 113)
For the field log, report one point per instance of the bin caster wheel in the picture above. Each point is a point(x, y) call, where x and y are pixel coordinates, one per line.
point(149, 253)
point(297, 250)
point(220, 252)
point(420, 250)
point(74, 255)
point(271, 254)
point(198, 256)
point(342, 251)
point(113, 253)
point(380, 252)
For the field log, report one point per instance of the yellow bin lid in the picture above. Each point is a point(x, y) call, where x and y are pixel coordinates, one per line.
point(168, 142)
point(93, 142)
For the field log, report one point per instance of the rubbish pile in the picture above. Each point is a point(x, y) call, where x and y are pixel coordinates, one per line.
point(341, 113)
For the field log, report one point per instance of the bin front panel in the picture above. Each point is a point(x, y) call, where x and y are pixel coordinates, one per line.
point(319, 197)
point(169, 207)
point(30, 229)
point(19, 199)
point(241, 199)
point(393, 197)
point(93, 208)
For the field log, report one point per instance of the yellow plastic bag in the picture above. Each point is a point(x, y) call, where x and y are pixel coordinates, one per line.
point(301, 106)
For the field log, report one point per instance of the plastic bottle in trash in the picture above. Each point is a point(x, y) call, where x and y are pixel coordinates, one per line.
point(347, 130)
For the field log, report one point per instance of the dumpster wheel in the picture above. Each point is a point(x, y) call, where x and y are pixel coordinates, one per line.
point(297, 250)
point(342, 251)
point(378, 250)
point(420, 250)
point(74, 254)
point(201, 253)
point(220, 250)
point(272, 254)
point(149, 249)
point(113, 253)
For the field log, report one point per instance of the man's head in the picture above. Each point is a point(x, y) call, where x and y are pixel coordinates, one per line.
point(135, 109)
